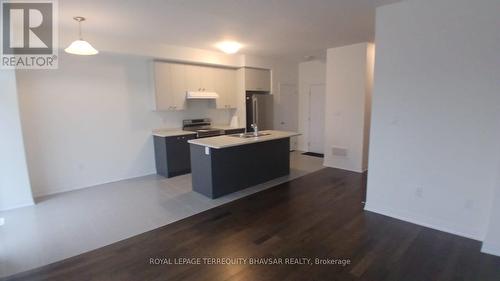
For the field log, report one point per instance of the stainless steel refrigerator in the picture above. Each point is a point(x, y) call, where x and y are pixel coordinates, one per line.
point(259, 107)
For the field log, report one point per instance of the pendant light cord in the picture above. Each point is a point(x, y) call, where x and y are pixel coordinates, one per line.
point(79, 20)
point(80, 30)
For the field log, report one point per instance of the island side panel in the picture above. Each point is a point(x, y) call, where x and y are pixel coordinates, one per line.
point(201, 170)
point(238, 167)
point(160, 156)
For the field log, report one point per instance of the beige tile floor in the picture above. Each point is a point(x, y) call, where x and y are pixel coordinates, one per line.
point(71, 223)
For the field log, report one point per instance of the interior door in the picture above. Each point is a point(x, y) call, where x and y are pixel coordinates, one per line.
point(287, 111)
point(316, 118)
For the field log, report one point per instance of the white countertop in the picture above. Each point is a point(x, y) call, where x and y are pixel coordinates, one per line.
point(228, 141)
point(171, 132)
point(179, 132)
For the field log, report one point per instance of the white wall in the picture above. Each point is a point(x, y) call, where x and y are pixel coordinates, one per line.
point(491, 243)
point(90, 121)
point(310, 73)
point(348, 91)
point(15, 188)
point(436, 111)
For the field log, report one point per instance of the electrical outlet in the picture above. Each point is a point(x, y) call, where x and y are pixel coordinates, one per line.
point(2, 221)
point(419, 192)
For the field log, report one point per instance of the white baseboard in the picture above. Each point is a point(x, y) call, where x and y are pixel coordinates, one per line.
point(491, 249)
point(422, 221)
point(331, 165)
point(53, 191)
point(17, 206)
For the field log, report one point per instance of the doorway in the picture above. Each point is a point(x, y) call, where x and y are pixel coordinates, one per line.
point(316, 118)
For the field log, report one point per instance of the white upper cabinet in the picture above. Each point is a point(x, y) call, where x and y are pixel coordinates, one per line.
point(257, 79)
point(226, 87)
point(207, 78)
point(173, 80)
point(193, 78)
point(200, 78)
point(170, 86)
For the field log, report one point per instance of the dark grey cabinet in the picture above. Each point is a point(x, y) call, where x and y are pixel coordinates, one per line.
point(172, 155)
point(234, 131)
point(226, 170)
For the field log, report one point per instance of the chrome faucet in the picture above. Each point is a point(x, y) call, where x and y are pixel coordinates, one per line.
point(255, 129)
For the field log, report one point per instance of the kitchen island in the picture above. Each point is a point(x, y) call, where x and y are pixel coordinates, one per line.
point(225, 164)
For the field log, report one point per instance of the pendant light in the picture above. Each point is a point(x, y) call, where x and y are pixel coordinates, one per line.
point(80, 46)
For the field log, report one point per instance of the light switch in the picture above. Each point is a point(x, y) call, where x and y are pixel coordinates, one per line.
point(207, 150)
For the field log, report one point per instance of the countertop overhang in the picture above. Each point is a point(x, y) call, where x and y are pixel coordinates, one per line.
point(230, 141)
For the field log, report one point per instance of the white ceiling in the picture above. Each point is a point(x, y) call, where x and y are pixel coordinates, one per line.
point(266, 27)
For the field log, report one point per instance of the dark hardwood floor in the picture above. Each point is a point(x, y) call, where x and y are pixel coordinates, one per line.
point(318, 215)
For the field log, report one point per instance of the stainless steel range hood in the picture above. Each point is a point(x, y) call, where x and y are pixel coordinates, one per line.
point(191, 95)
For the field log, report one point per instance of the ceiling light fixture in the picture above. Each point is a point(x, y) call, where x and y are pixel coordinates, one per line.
point(80, 46)
point(229, 47)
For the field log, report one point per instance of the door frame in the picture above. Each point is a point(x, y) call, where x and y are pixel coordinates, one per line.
point(293, 140)
point(309, 114)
